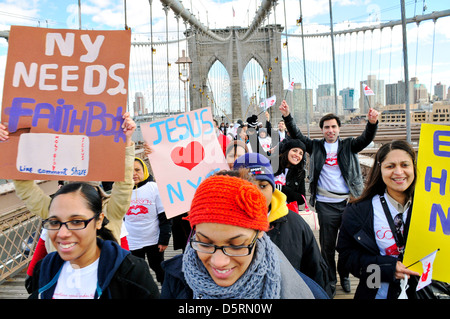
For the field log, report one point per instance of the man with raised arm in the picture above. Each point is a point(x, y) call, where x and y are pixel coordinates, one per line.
point(334, 176)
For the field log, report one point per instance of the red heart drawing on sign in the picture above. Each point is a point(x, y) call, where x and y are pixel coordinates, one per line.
point(189, 156)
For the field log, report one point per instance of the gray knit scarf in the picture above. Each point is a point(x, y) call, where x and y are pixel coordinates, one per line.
point(262, 279)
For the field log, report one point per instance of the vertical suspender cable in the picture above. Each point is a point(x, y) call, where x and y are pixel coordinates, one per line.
point(178, 54)
point(152, 54)
point(304, 68)
point(405, 66)
point(390, 57)
point(334, 62)
point(166, 10)
point(125, 9)
point(379, 55)
point(432, 59)
point(287, 43)
point(79, 13)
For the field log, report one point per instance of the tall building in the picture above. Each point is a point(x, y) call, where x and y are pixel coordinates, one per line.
point(375, 101)
point(440, 92)
point(138, 104)
point(395, 93)
point(325, 102)
point(419, 91)
point(348, 100)
point(299, 103)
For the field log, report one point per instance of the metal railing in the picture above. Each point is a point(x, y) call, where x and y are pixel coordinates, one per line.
point(19, 233)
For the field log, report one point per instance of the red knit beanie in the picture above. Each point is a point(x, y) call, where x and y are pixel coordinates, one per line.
point(229, 200)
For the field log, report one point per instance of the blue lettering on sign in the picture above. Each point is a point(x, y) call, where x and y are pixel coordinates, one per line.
point(437, 143)
point(436, 210)
point(25, 169)
point(182, 127)
point(430, 179)
point(179, 189)
point(64, 118)
point(193, 184)
point(171, 190)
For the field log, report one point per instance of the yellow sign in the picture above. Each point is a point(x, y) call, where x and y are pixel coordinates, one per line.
point(430, 220)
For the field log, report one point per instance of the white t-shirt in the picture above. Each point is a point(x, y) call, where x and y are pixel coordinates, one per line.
point(383, 235)
point(141, 220)
point(77, 283)
point(331, 177)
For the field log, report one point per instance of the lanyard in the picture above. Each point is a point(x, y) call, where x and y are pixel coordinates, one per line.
point(399, 240)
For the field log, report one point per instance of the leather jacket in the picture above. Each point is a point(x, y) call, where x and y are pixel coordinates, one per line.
point(348, 161)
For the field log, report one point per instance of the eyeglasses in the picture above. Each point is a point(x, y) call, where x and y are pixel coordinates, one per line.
point(76, 224)
point(232, 251)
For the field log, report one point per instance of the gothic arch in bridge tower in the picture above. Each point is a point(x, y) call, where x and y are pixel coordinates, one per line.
point(264, 46)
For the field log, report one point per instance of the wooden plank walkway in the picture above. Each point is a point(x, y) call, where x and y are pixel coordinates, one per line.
point(14, 287)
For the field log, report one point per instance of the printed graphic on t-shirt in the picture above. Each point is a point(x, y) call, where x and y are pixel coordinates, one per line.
point(331, 159)
point(280, 179)
point(137, 209)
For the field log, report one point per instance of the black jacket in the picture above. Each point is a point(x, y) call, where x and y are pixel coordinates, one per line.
point(358, 250)
point(295, 184)
point(296, 240)
point(347, 156)
point(120, 275)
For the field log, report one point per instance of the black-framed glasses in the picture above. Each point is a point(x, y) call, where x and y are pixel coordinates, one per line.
point(76, 224)
point(232, 251)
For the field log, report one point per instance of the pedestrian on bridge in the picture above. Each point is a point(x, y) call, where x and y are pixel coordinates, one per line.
point(88, 263)
point(115, 204)
point(288, 230)
point(334, 175)
point(375, 226)
point(148, 228)
point(230, 256)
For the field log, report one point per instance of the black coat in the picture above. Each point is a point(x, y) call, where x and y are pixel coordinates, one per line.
point(296, 240)
point(347, 156)
point(295, 184)
point(358, 250)
point(120, 275)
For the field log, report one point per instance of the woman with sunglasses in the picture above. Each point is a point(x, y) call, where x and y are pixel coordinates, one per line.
point(375, 226)
point(88, 263)
point(229, 255)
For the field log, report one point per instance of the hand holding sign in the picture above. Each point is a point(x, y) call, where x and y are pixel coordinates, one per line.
point(128, 126)
point(73, 92)
point(4, 134)
point(190, 141)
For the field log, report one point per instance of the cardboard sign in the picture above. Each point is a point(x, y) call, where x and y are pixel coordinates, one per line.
point(185, 152)
point(430, 220)
point(64, 95)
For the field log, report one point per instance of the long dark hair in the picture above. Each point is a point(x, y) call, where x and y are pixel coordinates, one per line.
point(94, 202)
point(375, 184)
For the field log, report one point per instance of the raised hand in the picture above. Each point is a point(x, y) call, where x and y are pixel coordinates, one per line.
point(284, 108)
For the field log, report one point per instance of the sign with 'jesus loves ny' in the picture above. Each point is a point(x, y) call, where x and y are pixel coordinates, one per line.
point(185, 151)
point(64, 96)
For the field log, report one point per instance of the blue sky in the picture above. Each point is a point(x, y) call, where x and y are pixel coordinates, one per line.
point(109, 15)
